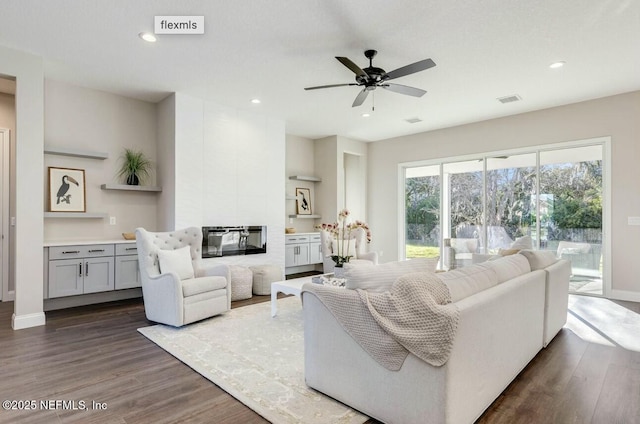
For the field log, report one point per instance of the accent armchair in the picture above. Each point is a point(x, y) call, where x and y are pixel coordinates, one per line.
point(177, 289)
point(357, 249)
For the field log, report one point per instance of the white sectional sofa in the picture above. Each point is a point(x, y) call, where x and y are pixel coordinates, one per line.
point(509, 309)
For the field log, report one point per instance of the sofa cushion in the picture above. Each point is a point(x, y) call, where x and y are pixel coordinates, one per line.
point(539, 259)
point(195, 286)
point(524, 242)
point(464, 282)
point(178, 261)
point(508, 267)
point(380, 278)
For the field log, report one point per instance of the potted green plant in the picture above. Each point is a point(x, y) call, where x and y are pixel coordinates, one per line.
point(135, 166)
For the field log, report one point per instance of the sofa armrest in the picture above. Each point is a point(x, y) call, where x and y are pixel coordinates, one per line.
point(369, 256)
point(213, 271)
point(556, 298)
point(216, 271)
point(163, 299)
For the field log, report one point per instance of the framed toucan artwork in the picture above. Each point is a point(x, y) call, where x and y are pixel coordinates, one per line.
point(67, 190)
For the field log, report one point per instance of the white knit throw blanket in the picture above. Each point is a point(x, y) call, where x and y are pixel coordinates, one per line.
point(415, 316)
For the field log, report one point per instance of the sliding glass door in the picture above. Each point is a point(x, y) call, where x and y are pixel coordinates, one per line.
point(422, 212)
point(470, 210)
point(571, 219)
point(510, 191)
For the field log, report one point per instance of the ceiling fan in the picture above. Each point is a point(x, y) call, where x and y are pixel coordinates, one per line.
point(371, 77)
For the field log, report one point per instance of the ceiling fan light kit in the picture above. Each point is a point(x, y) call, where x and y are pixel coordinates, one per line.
point(372, 77)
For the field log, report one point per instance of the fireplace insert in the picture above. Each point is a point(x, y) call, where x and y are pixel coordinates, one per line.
point(233, 241)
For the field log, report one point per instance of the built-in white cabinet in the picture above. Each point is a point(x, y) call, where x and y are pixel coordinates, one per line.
point(296, 250)
point(80, 269)
point(315, 249)
point(127, 271)
point(302, 249)
point(83, 269)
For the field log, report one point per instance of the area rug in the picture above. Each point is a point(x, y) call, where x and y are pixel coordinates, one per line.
point(257, 359)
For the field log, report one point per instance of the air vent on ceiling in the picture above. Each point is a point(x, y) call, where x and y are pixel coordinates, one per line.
point(413, 120)
point(509, 99)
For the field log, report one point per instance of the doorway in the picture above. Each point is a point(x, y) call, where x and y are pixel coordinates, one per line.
point(6, 293)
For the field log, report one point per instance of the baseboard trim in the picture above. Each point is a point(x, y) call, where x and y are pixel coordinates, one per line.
point(19, 322)
point(625, 295)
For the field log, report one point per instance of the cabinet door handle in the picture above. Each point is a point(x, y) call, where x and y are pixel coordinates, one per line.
point(80, 269)
point(96, 250)
point(131, 248)
point(86, 269)
point(67, 252)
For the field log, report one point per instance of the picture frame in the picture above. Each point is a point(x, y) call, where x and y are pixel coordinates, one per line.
point(303, 201)
point(67, 190)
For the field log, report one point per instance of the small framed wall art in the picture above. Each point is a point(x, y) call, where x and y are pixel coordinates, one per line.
point(303, 201)
point(67, 190)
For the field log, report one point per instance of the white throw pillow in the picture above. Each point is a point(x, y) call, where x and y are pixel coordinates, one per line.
point(178, 261)
point(524, 242)
point(539, 259)
point(380, 278)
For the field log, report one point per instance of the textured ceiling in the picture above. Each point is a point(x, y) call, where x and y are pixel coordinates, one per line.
point(273, 49)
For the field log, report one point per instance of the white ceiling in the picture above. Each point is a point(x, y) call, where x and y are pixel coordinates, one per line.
point(273, 49)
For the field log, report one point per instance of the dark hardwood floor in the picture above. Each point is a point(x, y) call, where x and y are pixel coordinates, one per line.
point(95, 354)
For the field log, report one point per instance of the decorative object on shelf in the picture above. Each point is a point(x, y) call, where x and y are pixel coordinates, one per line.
point(135, 167)
point(129, 236)
point(289, 230)
point(341, 232)
point(66, 190)
point(303, 201)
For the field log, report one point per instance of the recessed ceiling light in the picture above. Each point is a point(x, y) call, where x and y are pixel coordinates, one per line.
point(556, 65)
point(366, 115)
point(148, 37)
point(255, 101)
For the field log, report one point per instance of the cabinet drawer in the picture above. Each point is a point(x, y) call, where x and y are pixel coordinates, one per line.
point(80, 251)
point(315, 238)
point(126, 249)
point(296, 239)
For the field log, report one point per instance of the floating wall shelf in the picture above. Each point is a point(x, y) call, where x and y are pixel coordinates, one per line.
point(305, 178)
point(130, 187)
point(91, 215)
point(79, 153)
point(305, 216)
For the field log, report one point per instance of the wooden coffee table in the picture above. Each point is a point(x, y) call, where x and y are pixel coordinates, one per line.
point(293, 286)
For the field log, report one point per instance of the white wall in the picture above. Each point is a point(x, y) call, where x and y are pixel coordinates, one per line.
point(300, 161)
point(82, 118)
point(330, 165)
point(28, 70)
point(229, 170)
point(166, 124)
point(615, 116)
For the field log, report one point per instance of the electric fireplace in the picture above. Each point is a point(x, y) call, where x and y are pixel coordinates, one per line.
point(233, 241)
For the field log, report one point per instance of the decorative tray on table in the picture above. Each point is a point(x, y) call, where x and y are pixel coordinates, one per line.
point(329, 280)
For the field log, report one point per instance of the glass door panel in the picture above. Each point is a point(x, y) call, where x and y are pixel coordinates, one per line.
point(462, 187)
point(510, 191)
point(571, 212)
point(422, 212)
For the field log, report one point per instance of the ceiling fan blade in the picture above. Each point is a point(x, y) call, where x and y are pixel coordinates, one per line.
point(354, 68)
point(403, 89)
point(410, 69)
point(329, 86)
point(360, 98)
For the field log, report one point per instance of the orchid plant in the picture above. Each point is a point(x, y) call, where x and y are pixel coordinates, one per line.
point(341, 232)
